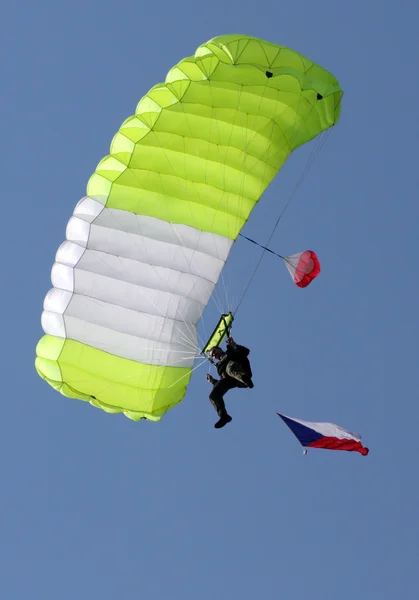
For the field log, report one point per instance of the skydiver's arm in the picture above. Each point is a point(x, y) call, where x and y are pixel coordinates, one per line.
point(242, 349)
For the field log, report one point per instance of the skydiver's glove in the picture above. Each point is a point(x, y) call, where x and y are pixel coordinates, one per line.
point(210, 378)
point(230, 341)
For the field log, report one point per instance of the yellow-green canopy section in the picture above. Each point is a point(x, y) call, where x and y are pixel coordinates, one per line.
point(145, 248)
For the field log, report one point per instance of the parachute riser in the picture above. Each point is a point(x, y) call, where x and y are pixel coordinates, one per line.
point(221, 330)
point(261, 246)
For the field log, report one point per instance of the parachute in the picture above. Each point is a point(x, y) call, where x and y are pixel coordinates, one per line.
point(303, 267)
point(145, 247)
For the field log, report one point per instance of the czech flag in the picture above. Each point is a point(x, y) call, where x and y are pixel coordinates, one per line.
point(303, 267)
point(324, 435)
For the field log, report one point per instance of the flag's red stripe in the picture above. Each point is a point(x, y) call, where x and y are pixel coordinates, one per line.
point(332, 443)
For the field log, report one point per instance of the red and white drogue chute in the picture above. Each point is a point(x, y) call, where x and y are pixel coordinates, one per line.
point(303, 267)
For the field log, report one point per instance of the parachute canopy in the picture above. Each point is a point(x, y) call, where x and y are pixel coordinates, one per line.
point(324, 435)
point(303, 267)
point(145, 248)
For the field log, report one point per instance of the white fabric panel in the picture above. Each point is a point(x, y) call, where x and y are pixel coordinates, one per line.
point(144, 249)
point(131, 285)
point(88, 209)
point(125, 269)
point(62, 277)
point(128, 346)
point(53, 324)
point(160, 278)
point(69, 254)
point(78, 231)
point(136, 297)
point(57, 300)
point(150, 227)
point(125, 320)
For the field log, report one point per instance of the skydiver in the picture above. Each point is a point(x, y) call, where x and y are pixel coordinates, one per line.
point(234, 369)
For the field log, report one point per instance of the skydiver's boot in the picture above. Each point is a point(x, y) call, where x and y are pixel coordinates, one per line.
point(224, 419)
point(247, 381)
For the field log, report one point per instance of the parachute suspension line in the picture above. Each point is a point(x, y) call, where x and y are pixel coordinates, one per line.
point(248, 136)
point(203, 361)
point(188, 342)
point(310, 162)
point(105, 389)
point(241, 124)
point(321, 140)
point(223, 162)
point(237, 123)
point(216, 121)
point(247, 140)
point(132, 237)
point(125, 378)
point(214, 297)
point(264, 247)
point(186, 196)
point(182, 246)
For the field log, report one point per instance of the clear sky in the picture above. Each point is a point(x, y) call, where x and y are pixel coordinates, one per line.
point(97, 506)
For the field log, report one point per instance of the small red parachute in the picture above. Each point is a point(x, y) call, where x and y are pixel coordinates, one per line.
point(303, 267)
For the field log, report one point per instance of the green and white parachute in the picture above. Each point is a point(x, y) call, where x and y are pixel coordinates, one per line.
point(146, 246)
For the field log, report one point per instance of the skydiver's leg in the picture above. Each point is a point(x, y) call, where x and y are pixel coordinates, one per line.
point(216, 397)
point(236, 371)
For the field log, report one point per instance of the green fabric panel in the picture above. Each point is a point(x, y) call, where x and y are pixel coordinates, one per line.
point(109, 382)
point(204, 145)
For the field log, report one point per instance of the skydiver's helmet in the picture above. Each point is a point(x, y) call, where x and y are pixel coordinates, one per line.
point(216, 352)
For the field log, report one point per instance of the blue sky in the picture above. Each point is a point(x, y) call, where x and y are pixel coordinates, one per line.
point(96, 506)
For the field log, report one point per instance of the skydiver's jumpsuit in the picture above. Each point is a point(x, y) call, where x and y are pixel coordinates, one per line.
point(231, 369)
